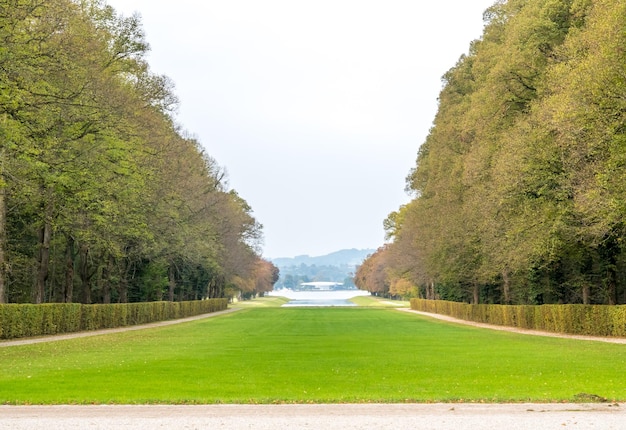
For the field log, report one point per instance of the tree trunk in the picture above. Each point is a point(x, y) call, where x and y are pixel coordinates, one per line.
point(106, 281)
point(171, 285)
point(122, 289)
point(84, 274)
point(586, 293)
point(475, 294)
point(3, 231)
point(611, 280)
point(43, 259)
point(430, 291)
point(209, 288)
point(506, 287)
point(612, 286)
point(69, 271)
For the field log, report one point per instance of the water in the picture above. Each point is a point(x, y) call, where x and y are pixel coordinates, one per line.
point(319, 298)
point(313, 302)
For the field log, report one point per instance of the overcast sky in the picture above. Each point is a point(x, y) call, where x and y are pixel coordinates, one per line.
point(316, 108)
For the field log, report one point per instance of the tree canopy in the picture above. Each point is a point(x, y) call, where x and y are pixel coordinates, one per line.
point(103, 197)
point(519, 190)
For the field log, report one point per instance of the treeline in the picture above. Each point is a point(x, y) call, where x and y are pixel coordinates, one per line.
point(292, 276)
point(520, 186)
point(103, 197)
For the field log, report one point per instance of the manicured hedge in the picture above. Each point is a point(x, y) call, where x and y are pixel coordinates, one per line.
point(592, 320)
point(25, 320)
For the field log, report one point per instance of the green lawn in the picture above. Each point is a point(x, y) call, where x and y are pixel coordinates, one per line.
point(272, 354)
point(263, 302)
point(371, 301)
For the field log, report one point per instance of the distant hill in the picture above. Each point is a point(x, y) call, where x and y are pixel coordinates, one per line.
point(335, 267)
point(345, 257)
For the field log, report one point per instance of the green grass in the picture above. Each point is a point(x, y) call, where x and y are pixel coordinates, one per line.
point(262, 302)
point(372, 301)
point(276, 355)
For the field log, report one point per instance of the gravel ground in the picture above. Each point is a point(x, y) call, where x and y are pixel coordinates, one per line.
point(328, 417)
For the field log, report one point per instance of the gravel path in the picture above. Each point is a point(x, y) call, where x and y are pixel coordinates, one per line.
point(327, 417)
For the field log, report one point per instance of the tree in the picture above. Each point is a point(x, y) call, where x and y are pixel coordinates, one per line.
point(99, 188)
point(519, 185)
point(370, 276)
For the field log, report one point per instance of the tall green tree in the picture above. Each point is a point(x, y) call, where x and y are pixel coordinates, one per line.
point(100, 190)
point(518, 187)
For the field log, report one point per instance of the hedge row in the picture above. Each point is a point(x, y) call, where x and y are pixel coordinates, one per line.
point(590, 320)
point(26, 320)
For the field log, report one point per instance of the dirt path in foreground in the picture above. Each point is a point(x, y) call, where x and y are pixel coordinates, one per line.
point(519, 330)
point(437, 416)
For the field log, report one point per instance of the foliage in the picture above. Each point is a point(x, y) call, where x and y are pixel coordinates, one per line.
point(292, 276)
point(591, 320)
point(370, 276)
point(298, 355)
point(28, 320)
point(519, 187)
point(103, 197)
point(338, 266)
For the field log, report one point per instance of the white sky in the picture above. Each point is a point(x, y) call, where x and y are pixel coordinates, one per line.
point(316, 108)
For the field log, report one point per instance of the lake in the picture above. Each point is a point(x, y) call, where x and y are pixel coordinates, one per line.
point(319, 298)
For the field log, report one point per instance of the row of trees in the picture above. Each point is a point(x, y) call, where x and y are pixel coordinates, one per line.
point(103, 197)
point(292, 276)
point(520, 186)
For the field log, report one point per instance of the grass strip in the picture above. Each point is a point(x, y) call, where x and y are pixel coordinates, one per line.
point(378, 302)
point(262, 302)
point(312, 355)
